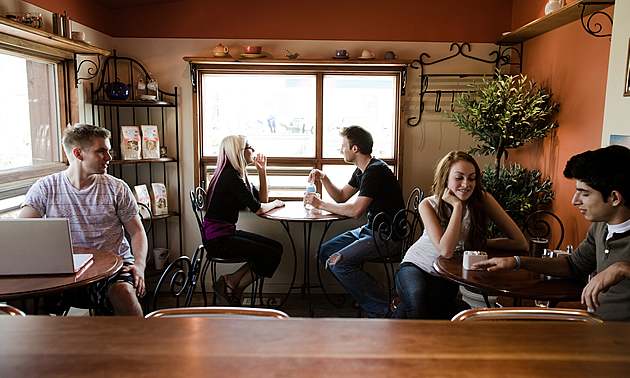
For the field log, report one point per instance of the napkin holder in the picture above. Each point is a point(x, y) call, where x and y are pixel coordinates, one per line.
point(471, 257)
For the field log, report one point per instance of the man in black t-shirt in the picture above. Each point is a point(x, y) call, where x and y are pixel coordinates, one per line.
point(379, 191)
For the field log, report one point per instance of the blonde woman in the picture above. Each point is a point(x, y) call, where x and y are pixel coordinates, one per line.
point(229, 192)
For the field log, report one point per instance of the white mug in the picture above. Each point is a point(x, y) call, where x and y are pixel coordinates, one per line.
point(160, 256)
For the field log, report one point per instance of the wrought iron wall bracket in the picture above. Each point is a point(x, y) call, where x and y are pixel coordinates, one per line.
point(193, 76)
point(597, 26)
point(495, 59)
point(92, 69)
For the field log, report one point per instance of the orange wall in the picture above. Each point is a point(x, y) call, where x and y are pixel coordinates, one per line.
point(574, 66)
point(359, 20)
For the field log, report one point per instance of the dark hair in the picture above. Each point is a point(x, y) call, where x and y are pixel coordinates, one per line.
point(605, 169)
point(360, 137)
point(478, 226)
point(81, 136)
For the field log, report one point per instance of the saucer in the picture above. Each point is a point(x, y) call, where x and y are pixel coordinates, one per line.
point(366, 57)
point(253, 55)
point(341, 57)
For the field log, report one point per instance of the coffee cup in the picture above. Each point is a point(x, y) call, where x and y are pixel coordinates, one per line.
point(78, 36)
point(160, 257)
point(341, 53)
point(252, 49)
point(367, 54)
point(390, 55)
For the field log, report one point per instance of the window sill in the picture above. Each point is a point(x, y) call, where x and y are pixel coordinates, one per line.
point(19, 174)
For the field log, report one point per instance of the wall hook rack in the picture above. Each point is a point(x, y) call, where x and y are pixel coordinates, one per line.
point(496, 58)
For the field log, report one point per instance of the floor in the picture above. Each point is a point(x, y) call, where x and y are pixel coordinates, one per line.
point(295, 305)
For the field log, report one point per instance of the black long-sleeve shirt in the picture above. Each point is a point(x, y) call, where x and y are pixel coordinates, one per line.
point(231, 194)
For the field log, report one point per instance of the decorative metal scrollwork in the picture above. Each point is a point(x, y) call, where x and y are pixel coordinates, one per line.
point(595, 32)
point(92, 71)
point(506, 58)
point(460, 49)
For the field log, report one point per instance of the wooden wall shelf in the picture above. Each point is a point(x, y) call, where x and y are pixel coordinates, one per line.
point(13, 29)
point(565, 15)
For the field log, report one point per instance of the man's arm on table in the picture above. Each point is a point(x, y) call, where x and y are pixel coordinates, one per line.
point(28, 212)
point(139, 246)
point(557, 267)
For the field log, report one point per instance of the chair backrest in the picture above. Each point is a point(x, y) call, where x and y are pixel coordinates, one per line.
point(527, 313)
point(6, 309)
point(412, 219)
point(198, 202)
point(218, 312)
point(538, 225)
point(148, 218)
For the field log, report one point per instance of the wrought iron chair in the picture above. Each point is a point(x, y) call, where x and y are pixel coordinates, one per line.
point(6, 309)
point(537, 225)
point(403, 227)
point(527, 313)
point(198, 201)
point(182, 275)
point(224, 312)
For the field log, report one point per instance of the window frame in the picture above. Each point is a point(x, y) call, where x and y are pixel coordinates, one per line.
point(15, 182)
point(319, 69)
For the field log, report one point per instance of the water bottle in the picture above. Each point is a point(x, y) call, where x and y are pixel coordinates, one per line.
point(310, 188)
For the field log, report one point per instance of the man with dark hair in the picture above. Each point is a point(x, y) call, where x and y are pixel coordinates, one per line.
point(100, 208)
point(379, 191)
point(603, 197)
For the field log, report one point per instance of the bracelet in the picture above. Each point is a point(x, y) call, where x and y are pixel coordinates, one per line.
point(518, 262)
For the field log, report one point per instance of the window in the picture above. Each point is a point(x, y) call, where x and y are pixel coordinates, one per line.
point(30, 120)
point(293, 114)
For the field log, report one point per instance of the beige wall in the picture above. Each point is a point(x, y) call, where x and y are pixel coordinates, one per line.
point(424, 144)
point(617, 109)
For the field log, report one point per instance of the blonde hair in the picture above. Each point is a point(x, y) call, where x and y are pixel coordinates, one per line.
point(231, 150)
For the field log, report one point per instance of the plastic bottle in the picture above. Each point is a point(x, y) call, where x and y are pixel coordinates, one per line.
point(310, 188)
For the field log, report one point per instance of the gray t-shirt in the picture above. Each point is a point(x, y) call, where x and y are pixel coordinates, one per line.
point(96, 214)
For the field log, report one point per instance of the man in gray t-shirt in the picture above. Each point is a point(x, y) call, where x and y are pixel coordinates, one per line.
point(98, 206)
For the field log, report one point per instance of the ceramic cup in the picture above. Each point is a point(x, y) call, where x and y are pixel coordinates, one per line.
point(252, 49)
point(390, 55)
point(341, 53)
point(78, 36)
point(160, 256)
point(367, 54)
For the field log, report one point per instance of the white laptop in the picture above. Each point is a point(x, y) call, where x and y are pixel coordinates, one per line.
point(38, 246)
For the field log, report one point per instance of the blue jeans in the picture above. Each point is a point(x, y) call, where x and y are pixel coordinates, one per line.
point(355, 248)
point(424, 296)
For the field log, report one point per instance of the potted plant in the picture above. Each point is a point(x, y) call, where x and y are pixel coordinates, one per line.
point(504, 112)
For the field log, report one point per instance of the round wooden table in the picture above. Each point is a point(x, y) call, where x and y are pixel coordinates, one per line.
point(294, 211)
point(103, 265)
point(520, 284)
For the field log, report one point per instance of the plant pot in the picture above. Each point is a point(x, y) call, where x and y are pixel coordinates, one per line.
point(476, 300)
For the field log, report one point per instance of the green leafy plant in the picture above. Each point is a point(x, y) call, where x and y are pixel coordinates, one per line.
point(506, 112)
point(520, 191)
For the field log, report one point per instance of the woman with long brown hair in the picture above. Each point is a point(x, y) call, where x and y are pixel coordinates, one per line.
point(455, 220)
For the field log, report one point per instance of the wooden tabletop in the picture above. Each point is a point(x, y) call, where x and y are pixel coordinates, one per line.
point(295, 211)
point(516, 284)
point(104, 264)
point(44, 346)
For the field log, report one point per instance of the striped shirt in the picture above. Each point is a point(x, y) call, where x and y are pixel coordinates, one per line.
point(96, 214)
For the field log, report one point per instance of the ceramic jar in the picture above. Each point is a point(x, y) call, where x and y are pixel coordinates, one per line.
point(553, 5)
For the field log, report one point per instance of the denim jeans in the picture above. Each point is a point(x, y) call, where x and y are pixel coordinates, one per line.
point(355, 248)
point(424, 296)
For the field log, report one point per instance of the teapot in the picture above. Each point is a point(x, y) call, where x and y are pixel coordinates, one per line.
point(117, 90)
point(220, 50)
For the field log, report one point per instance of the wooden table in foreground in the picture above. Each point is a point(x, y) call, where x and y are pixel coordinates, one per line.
point(104, 264)
point(294, 211)
point(520, 284)
point(41, 346)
